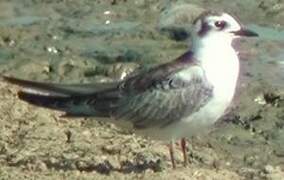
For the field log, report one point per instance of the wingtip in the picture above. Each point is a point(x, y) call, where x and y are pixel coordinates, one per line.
point(25, 96)
point(19, 82)
point(37, 99)
point(8, 79)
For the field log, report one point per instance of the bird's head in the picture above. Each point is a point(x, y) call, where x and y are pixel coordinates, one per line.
point(218, 27)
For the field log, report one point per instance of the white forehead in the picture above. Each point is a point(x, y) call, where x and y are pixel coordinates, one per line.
point(231, 21)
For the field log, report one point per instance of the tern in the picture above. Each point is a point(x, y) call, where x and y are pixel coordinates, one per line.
point(174, 100)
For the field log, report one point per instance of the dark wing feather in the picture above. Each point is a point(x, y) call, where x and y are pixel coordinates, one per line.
point(145, 80)
point(76, 100)
point(73, 106)
point(162, 105)
point(162, 95)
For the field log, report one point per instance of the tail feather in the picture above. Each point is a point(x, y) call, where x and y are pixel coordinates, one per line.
point(53, 89)
point(52, 102)
point(75, 100)
point(72, 106)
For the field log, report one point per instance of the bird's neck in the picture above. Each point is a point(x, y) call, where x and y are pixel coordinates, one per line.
point(214, 49)
point(220, 63)
point(211, 42)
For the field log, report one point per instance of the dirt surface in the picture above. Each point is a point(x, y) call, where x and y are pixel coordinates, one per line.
point(84, 41)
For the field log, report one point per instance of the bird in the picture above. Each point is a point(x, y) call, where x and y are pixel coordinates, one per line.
point(174, 100)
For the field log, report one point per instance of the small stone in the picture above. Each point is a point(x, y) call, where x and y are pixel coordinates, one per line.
point(87, 134)
point(52, 160)
point(121, 70)
point(268, 169)
point(260, 100)
point(47, 69)
point(54, 37)
point(104, 157)
point(149, 171)
point(107, 12)
point(111, 149)
point(52, 49)
point(41, 166)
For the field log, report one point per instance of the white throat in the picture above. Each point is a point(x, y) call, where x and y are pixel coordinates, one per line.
point(220, 63)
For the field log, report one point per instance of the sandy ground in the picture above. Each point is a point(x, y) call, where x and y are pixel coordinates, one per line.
point(87, 41)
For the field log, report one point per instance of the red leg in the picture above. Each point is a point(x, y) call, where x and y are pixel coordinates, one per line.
point(171, 150)
point(184, 151)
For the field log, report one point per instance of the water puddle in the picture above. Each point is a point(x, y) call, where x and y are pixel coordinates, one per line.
point(273, 69)
point(267, 33)
point(21, 21)
point(271, 65)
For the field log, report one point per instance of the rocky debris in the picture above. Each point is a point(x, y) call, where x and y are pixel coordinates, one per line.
point(123, 54)
point(119, 71)
point(274, 99)
point(273, 173)
point(273, 8)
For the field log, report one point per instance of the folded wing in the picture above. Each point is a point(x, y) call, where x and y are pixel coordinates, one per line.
point(156, 97)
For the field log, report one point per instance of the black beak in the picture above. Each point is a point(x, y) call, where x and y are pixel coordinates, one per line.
point(245, 32)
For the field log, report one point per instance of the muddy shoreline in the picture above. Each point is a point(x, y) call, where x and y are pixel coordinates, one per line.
point(88, 41)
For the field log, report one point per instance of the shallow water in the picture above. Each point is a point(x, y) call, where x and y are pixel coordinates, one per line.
point(268, 33)
point(271, 57)
point(21, 21)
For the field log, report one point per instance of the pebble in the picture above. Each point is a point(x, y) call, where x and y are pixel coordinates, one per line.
point(260, 100)
point(52, 49)
point(107, 12)
point(268, 169)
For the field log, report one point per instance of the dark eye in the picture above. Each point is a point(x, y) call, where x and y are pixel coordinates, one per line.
point(220, 24)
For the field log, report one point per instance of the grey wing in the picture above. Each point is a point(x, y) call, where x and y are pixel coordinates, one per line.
point(167, 101)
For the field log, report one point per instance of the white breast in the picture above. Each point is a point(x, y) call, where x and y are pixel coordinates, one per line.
point(221, 66)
